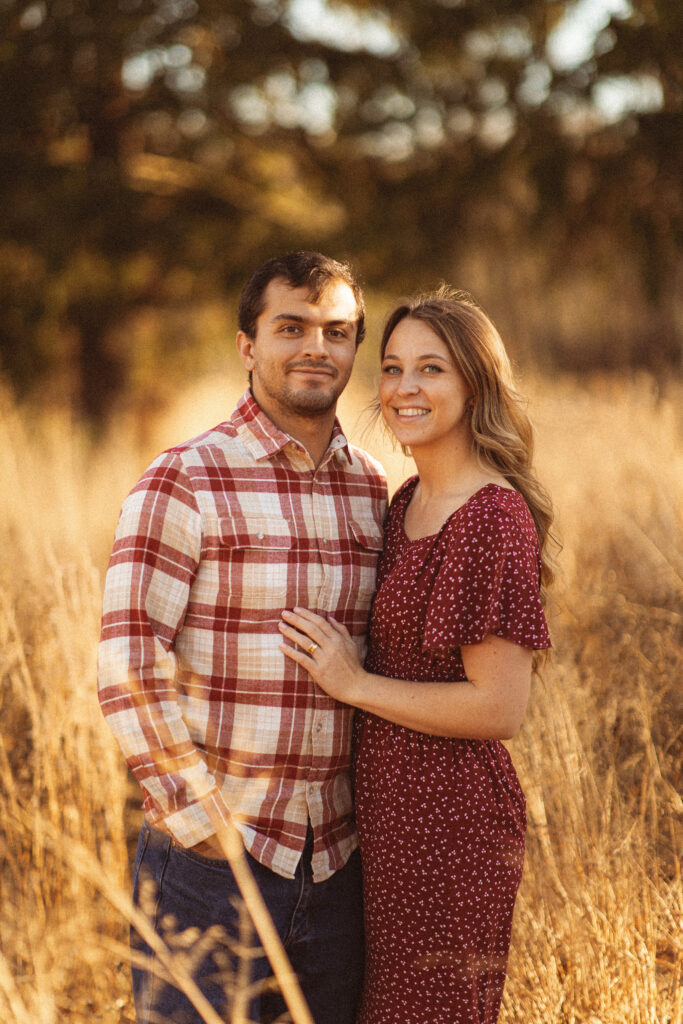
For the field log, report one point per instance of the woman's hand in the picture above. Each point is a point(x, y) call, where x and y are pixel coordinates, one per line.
point(325, 649)
point(488, 704)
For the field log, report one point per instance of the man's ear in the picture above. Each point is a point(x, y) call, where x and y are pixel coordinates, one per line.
point(245, 347)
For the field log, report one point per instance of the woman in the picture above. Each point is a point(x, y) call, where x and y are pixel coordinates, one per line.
point(456, 618)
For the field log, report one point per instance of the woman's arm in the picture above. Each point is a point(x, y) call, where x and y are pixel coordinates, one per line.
point(489, 704)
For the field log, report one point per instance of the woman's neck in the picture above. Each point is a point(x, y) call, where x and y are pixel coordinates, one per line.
point(446, 481)
point(444, 473)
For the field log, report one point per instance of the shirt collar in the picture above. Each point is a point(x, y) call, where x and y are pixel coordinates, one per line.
point(263, 439)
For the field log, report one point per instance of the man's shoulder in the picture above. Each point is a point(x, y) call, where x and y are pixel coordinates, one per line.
point(199, 449)
point(365, 463)
point(178, 468)
point(221, 436)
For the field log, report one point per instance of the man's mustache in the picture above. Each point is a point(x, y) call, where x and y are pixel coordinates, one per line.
point(307, 364)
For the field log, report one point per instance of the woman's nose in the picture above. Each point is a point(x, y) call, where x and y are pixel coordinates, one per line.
point(408, 384)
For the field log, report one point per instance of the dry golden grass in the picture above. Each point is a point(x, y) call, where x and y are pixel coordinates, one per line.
point(598, 922)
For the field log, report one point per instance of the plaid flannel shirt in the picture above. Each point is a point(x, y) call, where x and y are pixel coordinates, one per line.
point(219, 535)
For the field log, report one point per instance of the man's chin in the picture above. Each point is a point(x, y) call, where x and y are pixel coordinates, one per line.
point(312, 401)
point(314, 405)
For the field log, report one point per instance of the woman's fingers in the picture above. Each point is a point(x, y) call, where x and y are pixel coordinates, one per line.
point(339, 627)
point(304, 640)
point(309, 623)
point(302, 618)
point(311, 633)
point(296, 655)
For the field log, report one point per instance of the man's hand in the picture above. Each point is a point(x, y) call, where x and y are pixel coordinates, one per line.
point(210, 847)
point(221, 844)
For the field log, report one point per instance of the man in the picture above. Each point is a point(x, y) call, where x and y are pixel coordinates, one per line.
point(268, 510)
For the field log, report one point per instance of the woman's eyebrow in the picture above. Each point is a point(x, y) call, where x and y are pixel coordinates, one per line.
point(423, 355)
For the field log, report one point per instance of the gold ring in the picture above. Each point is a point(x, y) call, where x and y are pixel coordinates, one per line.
point(312, 648)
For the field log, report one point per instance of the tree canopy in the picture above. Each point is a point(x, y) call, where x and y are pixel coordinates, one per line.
point(153, 151)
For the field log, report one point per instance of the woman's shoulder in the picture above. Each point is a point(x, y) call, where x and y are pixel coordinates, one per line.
point(495, 511)
point(404, 490)
point(400, 499)
point(496, 499)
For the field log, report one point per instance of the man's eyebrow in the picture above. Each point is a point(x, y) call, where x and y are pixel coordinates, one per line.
point(302, 320)
point(288, 316)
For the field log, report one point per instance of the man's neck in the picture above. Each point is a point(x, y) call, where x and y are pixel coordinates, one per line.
point(314, 432)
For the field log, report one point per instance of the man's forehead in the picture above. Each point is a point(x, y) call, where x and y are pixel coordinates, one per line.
point(336, 297)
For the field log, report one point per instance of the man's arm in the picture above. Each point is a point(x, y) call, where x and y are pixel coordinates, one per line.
point(155, 559)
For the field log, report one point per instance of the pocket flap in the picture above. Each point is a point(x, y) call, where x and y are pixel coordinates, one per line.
point(367, 534)
point(256, 532)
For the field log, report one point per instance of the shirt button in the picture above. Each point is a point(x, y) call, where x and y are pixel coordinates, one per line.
point(260, 536)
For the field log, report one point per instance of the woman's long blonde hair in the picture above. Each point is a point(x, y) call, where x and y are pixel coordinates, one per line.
point(501, 431)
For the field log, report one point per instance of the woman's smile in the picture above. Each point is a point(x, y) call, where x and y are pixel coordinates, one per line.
point(410, 413)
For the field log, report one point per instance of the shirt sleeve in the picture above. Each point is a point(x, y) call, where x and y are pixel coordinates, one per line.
point(487, 582)
point(155, 558)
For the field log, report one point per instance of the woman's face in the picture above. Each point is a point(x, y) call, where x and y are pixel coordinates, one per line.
point(422, 394)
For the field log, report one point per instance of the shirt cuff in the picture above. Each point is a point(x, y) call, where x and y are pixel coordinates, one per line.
point(199, 820)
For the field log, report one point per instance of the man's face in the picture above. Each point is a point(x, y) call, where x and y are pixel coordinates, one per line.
point(302, 353)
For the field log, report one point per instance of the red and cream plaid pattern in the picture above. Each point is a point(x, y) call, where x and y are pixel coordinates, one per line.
point(219, 535)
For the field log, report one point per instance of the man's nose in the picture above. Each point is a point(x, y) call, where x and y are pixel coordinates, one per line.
point(314, 342)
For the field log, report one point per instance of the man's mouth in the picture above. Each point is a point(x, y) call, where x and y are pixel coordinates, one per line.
point(313, 371)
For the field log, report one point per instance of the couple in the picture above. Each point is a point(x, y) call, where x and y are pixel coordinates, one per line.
point(236, 609)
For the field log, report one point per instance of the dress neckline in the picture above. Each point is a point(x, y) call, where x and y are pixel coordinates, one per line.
point(431, 536)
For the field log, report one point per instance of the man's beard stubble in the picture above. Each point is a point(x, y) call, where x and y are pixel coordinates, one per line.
point(306, 401)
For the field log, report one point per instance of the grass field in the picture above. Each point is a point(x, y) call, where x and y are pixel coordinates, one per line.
point(598, 934)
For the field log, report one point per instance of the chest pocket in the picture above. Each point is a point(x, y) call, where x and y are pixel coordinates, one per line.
point(365, 546)
point(257, 533)
point(367, 535)
point(256, 570)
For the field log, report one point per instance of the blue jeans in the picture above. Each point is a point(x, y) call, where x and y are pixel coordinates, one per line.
point(320, 925)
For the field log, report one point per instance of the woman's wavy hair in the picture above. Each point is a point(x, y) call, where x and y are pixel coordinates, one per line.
point(501, 431)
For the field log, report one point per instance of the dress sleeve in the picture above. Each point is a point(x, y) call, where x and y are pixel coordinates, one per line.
point(487, 582)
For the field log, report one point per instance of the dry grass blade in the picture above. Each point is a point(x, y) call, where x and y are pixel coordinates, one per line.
point(598, 923)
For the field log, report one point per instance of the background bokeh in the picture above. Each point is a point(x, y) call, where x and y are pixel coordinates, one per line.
point(152, 153)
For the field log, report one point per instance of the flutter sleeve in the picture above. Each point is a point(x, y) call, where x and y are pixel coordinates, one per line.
point(487, 582)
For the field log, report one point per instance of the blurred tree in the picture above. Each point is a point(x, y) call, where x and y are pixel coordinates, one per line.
point(127, 177)
point(551, 131)
point(152, 151)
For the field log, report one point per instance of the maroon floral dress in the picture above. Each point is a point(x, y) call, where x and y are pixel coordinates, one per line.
point(441, 821)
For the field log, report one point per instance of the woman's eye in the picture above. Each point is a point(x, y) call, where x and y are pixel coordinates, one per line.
point(432, 368)
point(392, 370)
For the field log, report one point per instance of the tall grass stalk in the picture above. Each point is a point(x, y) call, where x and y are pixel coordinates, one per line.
point(597, 936)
